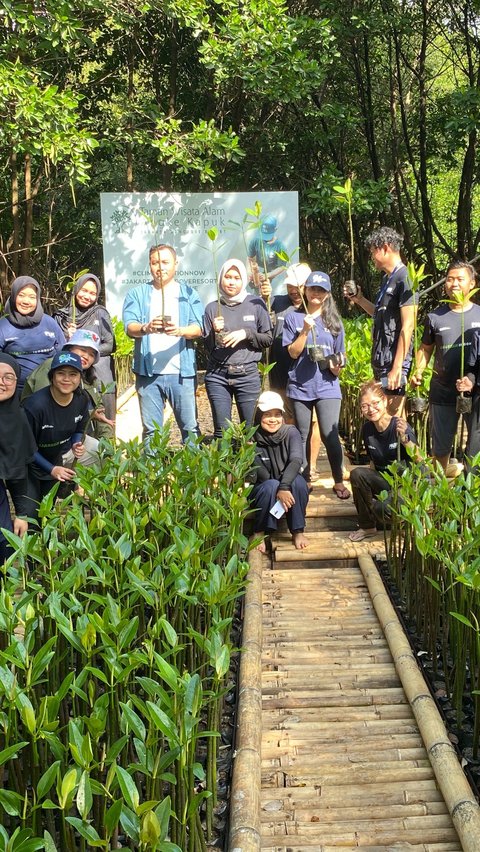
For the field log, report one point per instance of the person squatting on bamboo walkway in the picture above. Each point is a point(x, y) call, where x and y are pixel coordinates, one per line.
point(393, 316)
point(381, 436)
point(58, 416)
point(442, 335)
point(17, 448)
point(164, 317)
point(236, 330)
point(283, 304)
point(316, 343)
point(279, 488)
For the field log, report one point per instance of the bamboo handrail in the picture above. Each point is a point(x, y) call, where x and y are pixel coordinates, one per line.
point(245, 816)
point(451, 780)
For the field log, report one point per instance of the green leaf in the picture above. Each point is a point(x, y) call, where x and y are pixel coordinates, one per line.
point(45, 783)
point(112, 816)
point(49, 842)
point(462, 619)
point(133, 721)
point(12, 750)
point(163, 723)
point(86, 831)
point(84, 796)
point(128, 788)
point(11, 802)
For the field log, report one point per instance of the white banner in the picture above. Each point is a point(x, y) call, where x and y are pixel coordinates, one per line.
point(132, 222)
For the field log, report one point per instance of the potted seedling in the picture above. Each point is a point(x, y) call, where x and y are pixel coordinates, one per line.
point(417, 404)
point(345, 196)
point(70, 288)
point(212, 235)
point(463, 403)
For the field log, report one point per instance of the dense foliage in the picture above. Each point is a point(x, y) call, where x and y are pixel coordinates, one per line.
point(239, 96)
point(115, 643)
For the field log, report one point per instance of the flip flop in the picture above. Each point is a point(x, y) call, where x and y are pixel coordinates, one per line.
point(359, 535)
point(342, 493)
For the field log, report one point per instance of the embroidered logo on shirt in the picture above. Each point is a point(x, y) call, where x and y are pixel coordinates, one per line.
point(49, 333)
point(249, 318)
point(47, 426)
point(78, 417)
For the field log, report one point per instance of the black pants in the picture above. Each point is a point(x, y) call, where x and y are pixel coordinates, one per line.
point(367, 484)
point(264, 496)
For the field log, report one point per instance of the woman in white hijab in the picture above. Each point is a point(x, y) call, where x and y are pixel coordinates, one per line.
point(237, 328)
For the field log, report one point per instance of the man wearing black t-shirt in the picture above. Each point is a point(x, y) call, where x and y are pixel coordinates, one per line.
point(393, 316)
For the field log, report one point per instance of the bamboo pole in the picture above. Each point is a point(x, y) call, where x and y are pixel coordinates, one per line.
point(245, 813)
point(456, 790)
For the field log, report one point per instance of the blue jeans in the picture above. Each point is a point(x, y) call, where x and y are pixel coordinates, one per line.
point(264, 496)
point(222, 389)
point(155, 391)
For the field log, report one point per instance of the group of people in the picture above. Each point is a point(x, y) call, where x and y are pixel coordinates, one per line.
point(54, 405)
point(62, 368)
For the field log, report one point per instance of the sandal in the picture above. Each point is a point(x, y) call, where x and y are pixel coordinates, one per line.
point(342, 492)
point(359, 535)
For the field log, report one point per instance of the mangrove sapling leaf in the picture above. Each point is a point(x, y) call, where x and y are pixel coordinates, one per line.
point(45, 783)
point(130, 823)
point(86, 831)
point(112, 817)
point(11, 751)
point(128, 788)
point(164, 724)
point(49, 842)
point(84, 799)
point(11, 802)
point(132, 720)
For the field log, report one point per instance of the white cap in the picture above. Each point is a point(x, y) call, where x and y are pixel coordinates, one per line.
point(269, 400)
point(297, 274)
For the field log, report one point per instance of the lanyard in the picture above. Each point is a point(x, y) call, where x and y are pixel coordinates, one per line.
point(384, 286)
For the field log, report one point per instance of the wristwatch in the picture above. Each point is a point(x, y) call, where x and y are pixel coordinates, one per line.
point(144, 329)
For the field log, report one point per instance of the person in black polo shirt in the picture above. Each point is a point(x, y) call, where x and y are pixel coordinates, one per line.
point(386, 439)
point(58, 416)
point(393, 316)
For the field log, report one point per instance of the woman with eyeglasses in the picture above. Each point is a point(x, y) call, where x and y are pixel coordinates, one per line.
point(386, 439)
point(17, 448)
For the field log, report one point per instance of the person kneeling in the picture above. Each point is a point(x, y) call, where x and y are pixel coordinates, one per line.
point(386, 439)
point(58, 416)
point(279, 487)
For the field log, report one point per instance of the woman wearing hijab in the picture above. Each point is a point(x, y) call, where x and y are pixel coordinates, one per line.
point(84, 312)
point(236, 330)
point(279, 488)
point(26, 332)
point(17, 448)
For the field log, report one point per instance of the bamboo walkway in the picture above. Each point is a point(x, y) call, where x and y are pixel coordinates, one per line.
point(335, 749)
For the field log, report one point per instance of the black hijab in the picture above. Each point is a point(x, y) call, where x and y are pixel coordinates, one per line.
point(17, 319)
point(17, 444)
point(83, 316)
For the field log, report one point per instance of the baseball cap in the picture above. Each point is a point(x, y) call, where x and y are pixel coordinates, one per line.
point(297, 274)
point(66, 359)
point(319, 279)
point(269, 226)
point(87, 339)
point(268, 400)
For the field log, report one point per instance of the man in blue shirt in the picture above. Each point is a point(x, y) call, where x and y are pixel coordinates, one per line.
point(164, 317)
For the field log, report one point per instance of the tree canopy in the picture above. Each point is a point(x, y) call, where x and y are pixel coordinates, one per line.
point(200, 95)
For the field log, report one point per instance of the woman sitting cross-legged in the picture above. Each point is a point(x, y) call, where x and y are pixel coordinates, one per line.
point(386, 439)
point(277, 478)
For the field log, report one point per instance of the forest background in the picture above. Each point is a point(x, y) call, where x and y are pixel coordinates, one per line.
point(197, 95)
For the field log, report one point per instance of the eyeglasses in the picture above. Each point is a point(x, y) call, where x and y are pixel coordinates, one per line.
point(366, 405)
point(8, 379)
